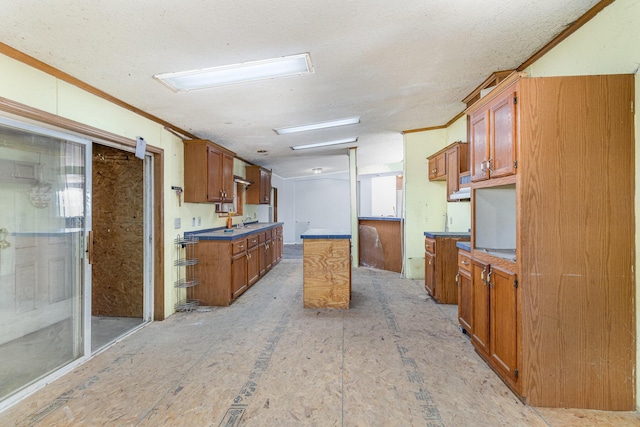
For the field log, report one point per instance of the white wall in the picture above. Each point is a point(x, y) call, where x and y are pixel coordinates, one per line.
point(322, 201)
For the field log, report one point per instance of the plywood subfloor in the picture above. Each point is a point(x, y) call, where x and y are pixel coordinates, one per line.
point(394, 359)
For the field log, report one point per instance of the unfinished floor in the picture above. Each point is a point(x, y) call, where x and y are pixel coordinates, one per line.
point(395, 358)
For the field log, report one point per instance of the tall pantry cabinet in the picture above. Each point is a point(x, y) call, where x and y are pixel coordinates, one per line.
point(554, 307)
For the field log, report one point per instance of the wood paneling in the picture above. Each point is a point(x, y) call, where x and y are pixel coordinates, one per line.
point(576, 249)
point(380, 244)
point(327, 273)
point(118, 224)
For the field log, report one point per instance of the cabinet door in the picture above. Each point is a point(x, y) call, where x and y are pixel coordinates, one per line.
point(238, 274)
point(430, 273)
point(480, 318)
point(503, 334)
point(433, 170)
point(253, 265)
point(262, 256)
point(479, 145)
point(226, 178)
point(465, 301)
point(265, 186)
point(502, 116)
point(441, 166)
point(214, 184)
point(269, 254)
point(453, 172)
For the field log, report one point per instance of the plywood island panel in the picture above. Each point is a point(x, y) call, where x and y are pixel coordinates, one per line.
point(327, 272)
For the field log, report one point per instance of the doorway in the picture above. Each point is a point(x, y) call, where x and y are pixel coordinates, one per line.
point(117, 280)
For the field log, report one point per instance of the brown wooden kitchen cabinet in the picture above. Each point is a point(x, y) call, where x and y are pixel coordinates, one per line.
point(239, 282)
point(259, 193)
point(253, 259)
point(495, 328)
point(465, 291)
point(493, 137)
point(208, 172)
point(227, 268)
point(457, 159)
point(437, 167)
point(573, 223)
point(441, 266)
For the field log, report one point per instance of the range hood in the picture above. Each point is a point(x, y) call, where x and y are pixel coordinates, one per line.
point(463, 193)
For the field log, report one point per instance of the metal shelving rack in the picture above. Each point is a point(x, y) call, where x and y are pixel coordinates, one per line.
point(187, 280)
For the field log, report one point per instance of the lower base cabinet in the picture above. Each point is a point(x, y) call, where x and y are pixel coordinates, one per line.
point(495, 332)
point(227, 268)
point(465, 292)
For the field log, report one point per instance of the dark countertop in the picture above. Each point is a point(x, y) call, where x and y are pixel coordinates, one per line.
point(464, 245)
point(325, 233)
point(380, 218)
point(435, 234)
point(235, 233)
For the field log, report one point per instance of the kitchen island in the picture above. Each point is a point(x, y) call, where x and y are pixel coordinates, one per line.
point(326, 268)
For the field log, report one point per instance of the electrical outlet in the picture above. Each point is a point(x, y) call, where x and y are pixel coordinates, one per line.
point(176, 223)
point(199, 221)
point(193, 221)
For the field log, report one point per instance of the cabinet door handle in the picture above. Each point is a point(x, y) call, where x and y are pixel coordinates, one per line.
point(482, 165)
point(458, 279)
point(489, 278)
point(484, 270)
point(489, 164)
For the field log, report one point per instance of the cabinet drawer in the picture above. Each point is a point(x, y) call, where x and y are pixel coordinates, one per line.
point(430, 245)
point(252, 241)
point(464, 260)
point(239, 246)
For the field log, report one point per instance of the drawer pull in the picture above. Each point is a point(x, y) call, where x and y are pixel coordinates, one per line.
point(465, 262)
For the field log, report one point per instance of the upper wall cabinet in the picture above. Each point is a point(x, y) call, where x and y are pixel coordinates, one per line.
point(259, 193)
point(208, 172)
point(437, 167)
point(448, 164)
point(493, 137)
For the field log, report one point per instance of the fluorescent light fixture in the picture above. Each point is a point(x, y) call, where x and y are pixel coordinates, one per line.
point(324, 144)
point(186, 81)
point(317, 170)
point(321, 125)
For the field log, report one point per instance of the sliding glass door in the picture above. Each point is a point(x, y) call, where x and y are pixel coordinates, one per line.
point(44, 219)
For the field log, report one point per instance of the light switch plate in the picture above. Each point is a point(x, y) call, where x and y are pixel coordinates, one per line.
point(176, 223)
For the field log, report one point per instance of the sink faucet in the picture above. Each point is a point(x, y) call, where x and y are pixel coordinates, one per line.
point(244, 221)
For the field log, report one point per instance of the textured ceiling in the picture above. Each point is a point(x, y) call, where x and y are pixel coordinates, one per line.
point(399, 65)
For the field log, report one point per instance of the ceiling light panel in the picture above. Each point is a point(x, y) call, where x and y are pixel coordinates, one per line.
point(186, 81)
point(325, 144)
point(321, 125)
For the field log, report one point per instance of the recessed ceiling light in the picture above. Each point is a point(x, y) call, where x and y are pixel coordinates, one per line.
point(261, 151)
point(186, 81)
point(324, 144)
point(321, 125)
point(317, 170)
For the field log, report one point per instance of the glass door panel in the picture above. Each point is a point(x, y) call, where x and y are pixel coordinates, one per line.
point(43, 190)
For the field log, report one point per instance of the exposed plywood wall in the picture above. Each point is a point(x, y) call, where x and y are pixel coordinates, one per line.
point(117, 277)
